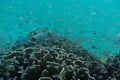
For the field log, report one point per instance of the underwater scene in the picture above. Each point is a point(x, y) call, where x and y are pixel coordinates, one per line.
point(59, 40)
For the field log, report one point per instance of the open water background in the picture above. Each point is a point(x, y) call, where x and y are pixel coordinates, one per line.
point(94, 24)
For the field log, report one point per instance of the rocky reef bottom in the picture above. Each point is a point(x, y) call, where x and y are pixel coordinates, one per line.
point(46, 56)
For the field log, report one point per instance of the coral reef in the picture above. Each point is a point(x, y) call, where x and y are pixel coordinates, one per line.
point(113, 66)
point(45, 56)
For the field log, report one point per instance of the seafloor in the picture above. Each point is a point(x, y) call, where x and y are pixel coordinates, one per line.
point(42, 55)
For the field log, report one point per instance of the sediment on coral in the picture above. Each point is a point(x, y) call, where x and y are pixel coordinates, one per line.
point(46, 56)
point(49, 39)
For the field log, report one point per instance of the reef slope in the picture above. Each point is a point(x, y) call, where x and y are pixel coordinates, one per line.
point(46, 56)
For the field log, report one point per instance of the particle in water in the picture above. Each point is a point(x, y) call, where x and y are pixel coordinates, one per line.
point(93, 13)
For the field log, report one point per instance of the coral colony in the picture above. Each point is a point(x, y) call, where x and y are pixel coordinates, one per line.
point(46, 56)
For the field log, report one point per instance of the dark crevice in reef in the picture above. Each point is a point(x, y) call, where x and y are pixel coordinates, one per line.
point(46, 56)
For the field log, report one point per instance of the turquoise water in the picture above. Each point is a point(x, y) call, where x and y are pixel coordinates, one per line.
point(94, 24)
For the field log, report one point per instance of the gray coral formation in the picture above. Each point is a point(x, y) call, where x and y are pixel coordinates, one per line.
point(43, 63)
point(44, 56)
point(114, 66)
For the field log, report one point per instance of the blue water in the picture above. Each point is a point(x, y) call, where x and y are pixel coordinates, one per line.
point(94, 24)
